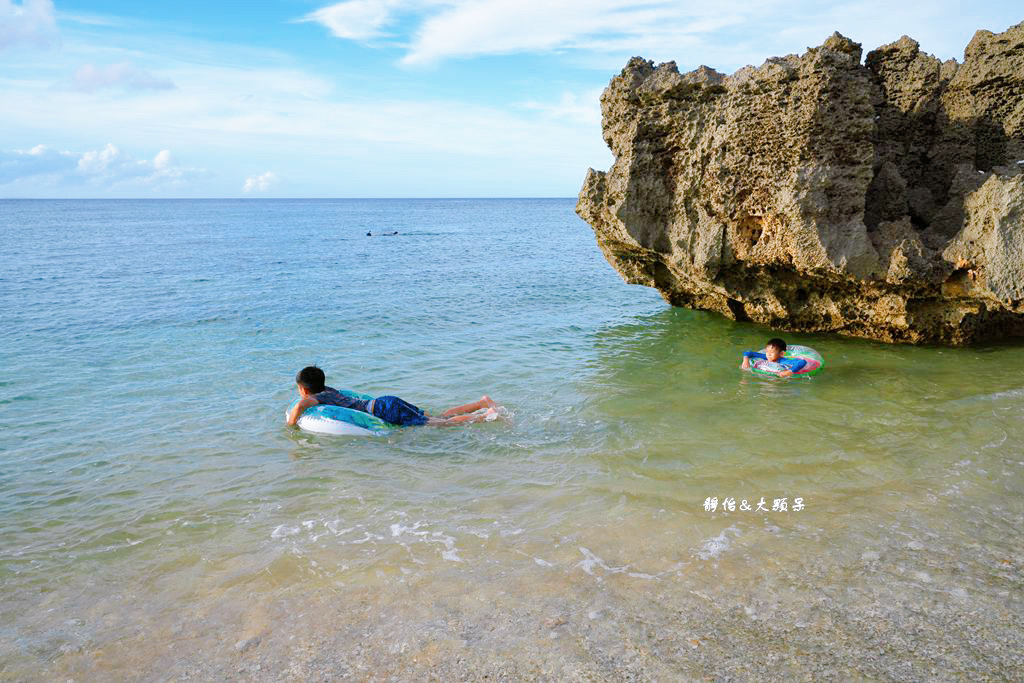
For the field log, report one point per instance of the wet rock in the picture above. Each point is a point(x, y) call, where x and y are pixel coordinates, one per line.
point(817, 193)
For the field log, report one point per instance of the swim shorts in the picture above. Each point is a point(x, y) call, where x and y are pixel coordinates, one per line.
point(398, 412)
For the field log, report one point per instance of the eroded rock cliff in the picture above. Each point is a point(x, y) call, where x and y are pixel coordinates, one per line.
point(882, 199)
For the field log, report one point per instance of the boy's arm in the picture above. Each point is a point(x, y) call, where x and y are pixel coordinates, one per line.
point(792, 365)
point(747, 355)
point(292, 416)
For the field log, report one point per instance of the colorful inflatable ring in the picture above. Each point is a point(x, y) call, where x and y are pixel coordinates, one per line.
point(815, 363)
point(335, 420)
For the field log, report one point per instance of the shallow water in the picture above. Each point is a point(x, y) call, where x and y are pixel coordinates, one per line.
point(155, 512)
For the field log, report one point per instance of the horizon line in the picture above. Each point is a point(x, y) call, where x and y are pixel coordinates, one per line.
point(160, 199)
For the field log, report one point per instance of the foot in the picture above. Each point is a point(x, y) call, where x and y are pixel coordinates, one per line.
point(498, 413)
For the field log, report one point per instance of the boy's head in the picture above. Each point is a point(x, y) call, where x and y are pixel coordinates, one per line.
point(311, 379)
point(774, 349)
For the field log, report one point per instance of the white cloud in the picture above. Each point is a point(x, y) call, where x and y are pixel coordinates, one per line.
point(97, 162)
point(38, 161)
point(31, 22)
point(602, 33)
point(163, 160)
point(259, 183)
point(356, 19)
point(468, 28)
point(90, 78)
point(102, 168)
point(110, 166)
point(240, 119)
point(285, 112)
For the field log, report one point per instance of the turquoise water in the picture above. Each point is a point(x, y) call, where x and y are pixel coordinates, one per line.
point(154, 509)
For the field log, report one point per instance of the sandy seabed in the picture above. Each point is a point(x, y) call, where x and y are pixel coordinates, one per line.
point(742, 606)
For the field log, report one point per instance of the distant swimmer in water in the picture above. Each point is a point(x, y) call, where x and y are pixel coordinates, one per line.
point(313, 391)
point(382, 234)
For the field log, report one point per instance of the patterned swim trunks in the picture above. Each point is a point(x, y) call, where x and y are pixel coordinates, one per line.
point(398, 412)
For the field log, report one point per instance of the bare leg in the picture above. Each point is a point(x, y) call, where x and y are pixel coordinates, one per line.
point(461, 419)
point(484, 402)
point(467, 419)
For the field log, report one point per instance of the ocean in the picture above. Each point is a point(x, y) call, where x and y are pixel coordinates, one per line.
point(159, 521)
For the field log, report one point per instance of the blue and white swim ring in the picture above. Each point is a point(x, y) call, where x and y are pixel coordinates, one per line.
point(338, 421)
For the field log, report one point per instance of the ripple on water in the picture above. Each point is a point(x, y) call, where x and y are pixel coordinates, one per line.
point(156, 492)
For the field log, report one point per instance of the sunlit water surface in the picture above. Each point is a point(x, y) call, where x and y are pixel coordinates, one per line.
point(158, 520)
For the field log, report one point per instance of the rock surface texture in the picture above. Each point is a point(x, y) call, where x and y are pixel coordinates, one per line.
point(817, 193)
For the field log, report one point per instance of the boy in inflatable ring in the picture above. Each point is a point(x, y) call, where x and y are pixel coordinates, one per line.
point(773, 351)
point(313, 391)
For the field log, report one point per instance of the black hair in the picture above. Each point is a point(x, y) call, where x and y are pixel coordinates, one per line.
point(777, 343)
point(311, 378)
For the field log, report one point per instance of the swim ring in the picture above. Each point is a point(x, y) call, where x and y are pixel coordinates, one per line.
point(338, 421)
point(815, 363)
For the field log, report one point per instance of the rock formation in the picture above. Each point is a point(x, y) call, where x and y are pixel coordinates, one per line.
point(816, 193)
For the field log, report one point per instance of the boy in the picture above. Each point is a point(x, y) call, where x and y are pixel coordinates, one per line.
point(313, 391)
point(773, 351)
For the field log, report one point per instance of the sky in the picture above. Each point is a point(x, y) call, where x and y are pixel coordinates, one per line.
point(374, 98)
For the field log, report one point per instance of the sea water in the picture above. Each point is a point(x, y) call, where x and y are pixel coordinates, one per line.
point(158, 520)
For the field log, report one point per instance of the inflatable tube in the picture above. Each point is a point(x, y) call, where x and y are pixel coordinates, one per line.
point(338, 421)
point(815, 363)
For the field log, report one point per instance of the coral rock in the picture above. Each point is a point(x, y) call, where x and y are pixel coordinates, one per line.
point(817, 193)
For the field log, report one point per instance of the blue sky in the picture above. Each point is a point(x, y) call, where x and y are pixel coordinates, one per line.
point(373, 98)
